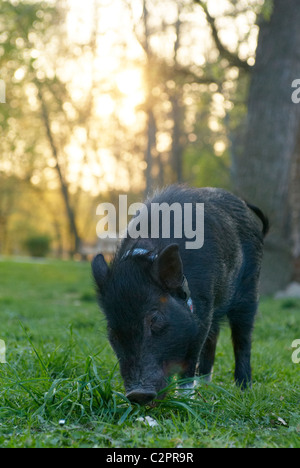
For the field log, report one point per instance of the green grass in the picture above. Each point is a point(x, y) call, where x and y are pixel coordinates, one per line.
point(61, 367)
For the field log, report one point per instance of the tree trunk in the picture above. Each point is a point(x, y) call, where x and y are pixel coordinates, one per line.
point(295, 211)
point(151, 143)
point(177, 134)
point(3, 233)
point(177, 110)
point(263, 165)
point(75, 248)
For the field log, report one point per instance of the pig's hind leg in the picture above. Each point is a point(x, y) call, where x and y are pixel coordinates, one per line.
point(241, 323)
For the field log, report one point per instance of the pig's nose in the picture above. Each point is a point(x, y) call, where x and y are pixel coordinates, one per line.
point(141, 396)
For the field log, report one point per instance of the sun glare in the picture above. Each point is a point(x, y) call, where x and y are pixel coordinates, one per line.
point(129, 82)
point(114, 69)
point(105, 105)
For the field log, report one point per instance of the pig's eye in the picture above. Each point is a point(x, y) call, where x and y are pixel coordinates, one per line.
point(157, 323)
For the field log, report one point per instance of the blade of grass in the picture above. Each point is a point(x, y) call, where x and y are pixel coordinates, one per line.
point(42, 364)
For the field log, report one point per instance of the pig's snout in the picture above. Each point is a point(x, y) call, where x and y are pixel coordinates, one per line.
point(141, 396)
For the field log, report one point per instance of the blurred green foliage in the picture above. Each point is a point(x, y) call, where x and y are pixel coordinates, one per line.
point(38, 245)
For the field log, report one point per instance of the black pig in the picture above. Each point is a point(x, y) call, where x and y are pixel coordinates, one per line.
point(164, 302)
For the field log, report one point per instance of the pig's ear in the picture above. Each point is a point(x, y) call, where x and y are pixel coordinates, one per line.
point(100, 270)
point(168, 267)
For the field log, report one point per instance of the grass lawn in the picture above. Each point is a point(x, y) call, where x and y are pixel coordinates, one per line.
point(61, 367)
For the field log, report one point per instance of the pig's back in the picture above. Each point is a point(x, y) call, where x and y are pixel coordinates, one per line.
point(233, 242)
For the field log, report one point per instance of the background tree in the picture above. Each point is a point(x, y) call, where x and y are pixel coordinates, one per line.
point(181, 98)
point(266, 163)
point(19, 143)
point(95, 109)
point(265, 136)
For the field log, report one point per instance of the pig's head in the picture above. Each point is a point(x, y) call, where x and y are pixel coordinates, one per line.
point(150, 325)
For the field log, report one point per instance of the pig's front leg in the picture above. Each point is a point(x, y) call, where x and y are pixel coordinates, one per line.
point(189, 373)
point(204, 312)
point(191, 365)
point(207, 355)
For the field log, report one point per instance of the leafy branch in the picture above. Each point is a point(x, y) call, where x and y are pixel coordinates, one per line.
point(232, 58)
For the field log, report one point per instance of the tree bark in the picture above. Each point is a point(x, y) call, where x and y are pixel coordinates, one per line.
point(265, 161)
